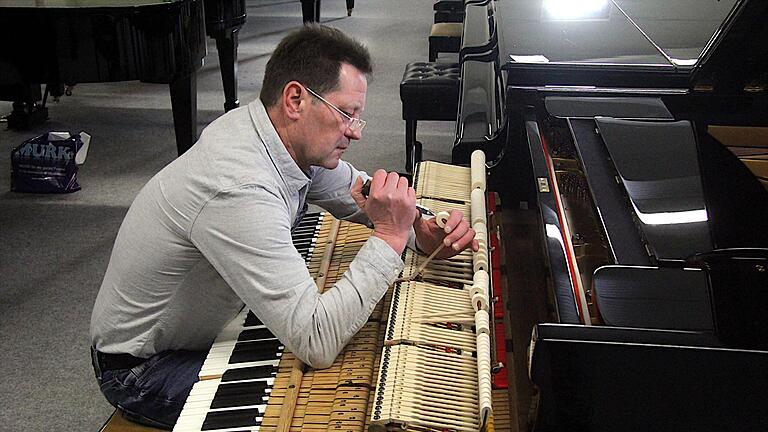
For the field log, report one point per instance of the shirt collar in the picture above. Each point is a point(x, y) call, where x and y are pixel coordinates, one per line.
point(292, 175)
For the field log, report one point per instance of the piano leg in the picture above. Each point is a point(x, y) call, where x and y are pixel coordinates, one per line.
point(308, 11)
point(412, 147)
point(184, 105)
point(226, 45)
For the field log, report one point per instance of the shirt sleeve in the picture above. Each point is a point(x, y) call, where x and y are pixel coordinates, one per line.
point(245, 234)
point(330, 190)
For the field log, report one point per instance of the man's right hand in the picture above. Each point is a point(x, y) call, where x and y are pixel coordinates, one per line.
point(390, 206)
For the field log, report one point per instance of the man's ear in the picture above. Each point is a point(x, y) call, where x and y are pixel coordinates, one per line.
point(293, 100)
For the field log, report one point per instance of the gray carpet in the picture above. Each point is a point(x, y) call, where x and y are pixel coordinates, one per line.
point(55, 248)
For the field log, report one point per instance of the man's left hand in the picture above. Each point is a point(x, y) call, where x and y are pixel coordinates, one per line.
point(456, 236)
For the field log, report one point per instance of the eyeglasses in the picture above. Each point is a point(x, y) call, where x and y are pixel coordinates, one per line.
point(354, 124)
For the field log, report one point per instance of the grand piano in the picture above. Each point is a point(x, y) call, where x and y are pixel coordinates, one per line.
point(66, 42)
point(628, 142)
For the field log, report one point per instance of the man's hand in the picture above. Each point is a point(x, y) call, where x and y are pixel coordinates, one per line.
point(456, 236)
point(390, 205)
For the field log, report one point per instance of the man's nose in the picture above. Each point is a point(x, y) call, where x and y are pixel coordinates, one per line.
point(353, 134)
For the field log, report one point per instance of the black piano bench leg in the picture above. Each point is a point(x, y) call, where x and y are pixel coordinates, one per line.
point(416, 154)
point(410, 145)
point(226, 45)
point(184, 105)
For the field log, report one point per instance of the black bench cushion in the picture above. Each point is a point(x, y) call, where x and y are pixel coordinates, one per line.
point(430, 91)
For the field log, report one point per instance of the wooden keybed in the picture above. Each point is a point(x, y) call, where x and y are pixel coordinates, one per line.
point(344, 396)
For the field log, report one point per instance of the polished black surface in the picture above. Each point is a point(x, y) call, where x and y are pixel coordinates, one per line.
point(153, 41)
point(159, 42)
point(665, 197)
point(156, 42)
point(736, 200)
point(625, 242)
point(659, 33)
point(237, 418)
point(589, 107)
point(638, 44)
point(223, 20)
point(680, 29)
point(653, 297)
point(481, 116)
point(737, 58)
point(739, 281)
point(658, 166)
point(565, 301)
point(606, 379)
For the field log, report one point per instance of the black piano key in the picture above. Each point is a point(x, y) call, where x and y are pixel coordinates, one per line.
point(240, 394)
point(304, 229)
point(252, 320)
point(256, 351)
point(253, 372)
point(303, 236)
point(255, 334)
point(303, 246)
point(232, 419)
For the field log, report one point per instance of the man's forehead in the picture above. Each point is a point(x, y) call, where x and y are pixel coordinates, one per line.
point(353, 85)
point(352, 76)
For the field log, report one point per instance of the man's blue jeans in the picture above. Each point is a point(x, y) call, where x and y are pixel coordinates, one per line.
point(153, 392)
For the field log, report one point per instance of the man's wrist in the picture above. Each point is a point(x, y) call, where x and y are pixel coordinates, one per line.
point(396, 242)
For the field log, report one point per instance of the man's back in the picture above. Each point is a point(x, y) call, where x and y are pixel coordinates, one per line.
point(160, 292)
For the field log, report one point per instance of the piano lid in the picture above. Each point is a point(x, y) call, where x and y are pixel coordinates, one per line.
point(654, 43)
point(535, 33)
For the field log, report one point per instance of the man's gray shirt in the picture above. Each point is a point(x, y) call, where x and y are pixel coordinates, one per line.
point(213, 230)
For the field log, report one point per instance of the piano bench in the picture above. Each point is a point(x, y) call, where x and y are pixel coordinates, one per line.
point(449, 11)
point(117, 423)
point(444, 37)
point(428, 91)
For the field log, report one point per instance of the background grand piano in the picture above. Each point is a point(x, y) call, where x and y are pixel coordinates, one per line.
point(64, 42)
point(631, 142)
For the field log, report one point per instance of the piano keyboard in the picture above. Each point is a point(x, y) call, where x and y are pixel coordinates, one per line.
point(420, 341)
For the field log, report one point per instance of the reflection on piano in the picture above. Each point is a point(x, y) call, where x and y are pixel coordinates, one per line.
point(631, 149)
point(65, 42)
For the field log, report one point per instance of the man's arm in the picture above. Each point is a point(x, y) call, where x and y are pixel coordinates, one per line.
point(245, 234)
point(330, 190)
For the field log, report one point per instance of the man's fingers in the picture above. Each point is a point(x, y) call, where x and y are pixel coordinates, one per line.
point(357, 192)
point(378, 180)
point(465, 240)
point(455, 218)
point(402, 183)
